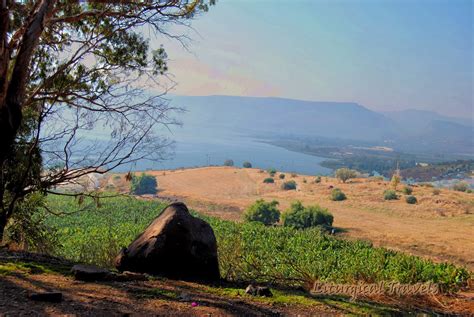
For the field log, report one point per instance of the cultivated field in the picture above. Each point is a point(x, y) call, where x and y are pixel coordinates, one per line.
point(438, 226)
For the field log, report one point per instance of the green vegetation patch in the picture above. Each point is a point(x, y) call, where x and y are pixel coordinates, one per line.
point(247, 251)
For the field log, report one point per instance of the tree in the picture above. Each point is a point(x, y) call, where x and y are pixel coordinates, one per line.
point(395, 181)
point(345, 174)
point(247, 164)
point(229, 163)
point(143, 184)
point(264, 212)
point(70, 68)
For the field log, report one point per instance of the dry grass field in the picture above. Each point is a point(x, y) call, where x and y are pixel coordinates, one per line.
point(440, 226)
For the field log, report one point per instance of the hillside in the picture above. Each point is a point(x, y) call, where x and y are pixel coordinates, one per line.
point(412, 130)
point(438, 227)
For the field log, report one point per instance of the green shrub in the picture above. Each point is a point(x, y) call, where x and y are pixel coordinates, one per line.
point(300, 217)
point(143, 184)
point(117, 177)
point(317, 180)
point(461, 186)
point(281, 176)
point(390, 194)
point(264, 212)
point(436, 191)
point(407, 190)
point(228, 163)
point(411, 199)
point(337, 195)
point(289, 185)
point(345, 174)
point(271, 171)
point(268, 180)
point(247, 165)
point(469, 191)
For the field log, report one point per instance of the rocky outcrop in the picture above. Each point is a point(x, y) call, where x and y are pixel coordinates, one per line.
point(175, 245)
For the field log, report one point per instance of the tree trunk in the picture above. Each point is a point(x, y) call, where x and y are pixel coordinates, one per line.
point(3, 224)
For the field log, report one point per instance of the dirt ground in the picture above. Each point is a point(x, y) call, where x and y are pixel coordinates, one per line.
point(440, 226)
point(22, 274)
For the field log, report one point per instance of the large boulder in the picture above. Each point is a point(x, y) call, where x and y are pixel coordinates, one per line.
point(175, 245)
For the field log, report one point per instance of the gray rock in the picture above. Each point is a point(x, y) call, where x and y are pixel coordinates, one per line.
point(175, 245)
point(90, 273)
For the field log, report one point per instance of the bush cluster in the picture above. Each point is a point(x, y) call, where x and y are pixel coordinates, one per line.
point(264, 212)
point(289, 185)
point(407, 190)
point(301, 217)
point(390, 194)
point(268, 180)
point(337, 195)
point(271, 171)
point(281, 176)
point(411, 199)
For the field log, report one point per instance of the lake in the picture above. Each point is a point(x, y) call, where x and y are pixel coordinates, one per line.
point(213, 147)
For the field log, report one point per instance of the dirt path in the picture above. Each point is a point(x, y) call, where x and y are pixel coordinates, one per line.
point(439, 226)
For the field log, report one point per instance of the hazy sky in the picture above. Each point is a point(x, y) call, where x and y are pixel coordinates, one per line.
point(384, 54)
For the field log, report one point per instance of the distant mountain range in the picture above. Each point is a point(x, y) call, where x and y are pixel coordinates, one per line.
point(412, 131)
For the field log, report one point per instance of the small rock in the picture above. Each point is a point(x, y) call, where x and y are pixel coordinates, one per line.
point(258, 291)
point(90, 273)
point(53, 297)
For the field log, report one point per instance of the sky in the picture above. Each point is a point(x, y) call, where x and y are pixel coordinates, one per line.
point(384, 54)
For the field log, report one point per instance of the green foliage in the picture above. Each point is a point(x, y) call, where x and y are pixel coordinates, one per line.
point(317, 180)
point(411, 199)
point(143, 184)
point(27, 227)
point(268, 180)
point(344, 174)
point(407, 190)
point(264, 212)
point(390, 194)
point(289, 185)
point(247, 251)
point(281, 176)
point(271, 171)
point(300, 217)
point(228, 163)
point(461, 186)
point(337, 195)
point(247, 164)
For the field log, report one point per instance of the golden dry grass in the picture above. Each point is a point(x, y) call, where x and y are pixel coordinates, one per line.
point(440, 227)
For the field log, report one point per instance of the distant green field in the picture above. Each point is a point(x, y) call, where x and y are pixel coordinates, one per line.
point(247, 251)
